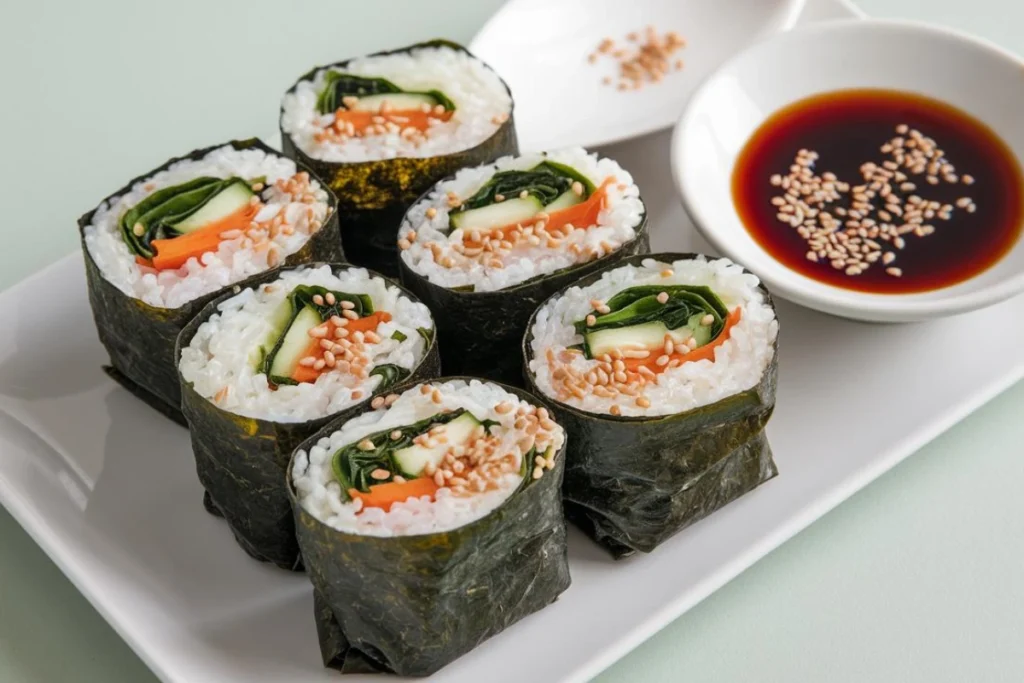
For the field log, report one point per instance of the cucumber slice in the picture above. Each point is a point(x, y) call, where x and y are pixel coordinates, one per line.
point(278, 320)
point(702, 333)
point(397, 101)
point(564, 201)
point(508, 212)
point(648, 335)
point(226, 202)
point(295, 343)
point(414, 459)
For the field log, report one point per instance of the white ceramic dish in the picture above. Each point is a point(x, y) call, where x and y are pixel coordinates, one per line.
point(108, 489)
point(966, 72)
point(540, 48)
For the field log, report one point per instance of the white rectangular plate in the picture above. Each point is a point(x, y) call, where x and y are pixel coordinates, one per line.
point(108, 488)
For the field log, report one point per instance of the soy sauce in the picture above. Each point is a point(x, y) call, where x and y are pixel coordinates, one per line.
point(847, 129)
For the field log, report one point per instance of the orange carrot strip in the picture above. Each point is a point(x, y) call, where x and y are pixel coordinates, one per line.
point(174, 252)
point(369, 322)
point(386, 495)
point(304, 373)
point(582, 215)
point(404, 118)
point(706, 352)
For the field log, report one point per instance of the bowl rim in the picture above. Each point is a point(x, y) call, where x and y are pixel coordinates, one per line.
point(805, 290)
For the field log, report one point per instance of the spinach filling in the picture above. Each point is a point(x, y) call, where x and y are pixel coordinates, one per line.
point(180, 209)
point(342, 85)
point(395, 452)
point(637, 317)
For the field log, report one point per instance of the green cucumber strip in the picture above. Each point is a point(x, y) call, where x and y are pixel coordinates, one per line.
point(293, 345)
point(412, 459)
point(508, 212)
point(227, 201)
point(564, 201)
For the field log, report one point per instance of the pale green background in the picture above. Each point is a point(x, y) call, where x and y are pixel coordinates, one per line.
point(917, 578)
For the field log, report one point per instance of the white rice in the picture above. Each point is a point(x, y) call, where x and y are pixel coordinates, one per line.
point(235, 259)
point(481, 100)
point(616, 225)
point(219, 354)
point(319, 493)
point(739, 362)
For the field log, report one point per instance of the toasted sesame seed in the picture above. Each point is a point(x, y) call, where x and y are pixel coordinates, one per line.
point(662, 298)
point(365, 445)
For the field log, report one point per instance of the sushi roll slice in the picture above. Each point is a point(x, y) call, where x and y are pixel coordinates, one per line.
point(381, 129)
point(430, 524)
point(264, 368)
point(662, 371)
point(484, 248)
point(160, 248)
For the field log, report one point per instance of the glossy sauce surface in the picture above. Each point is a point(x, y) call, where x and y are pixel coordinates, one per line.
point(849, 128)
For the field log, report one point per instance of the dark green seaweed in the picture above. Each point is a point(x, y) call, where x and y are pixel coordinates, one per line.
point(633, 482)
point(139, 338)
point(412, 604)
point(241, 460)
point(374, 195)
point(481, 332)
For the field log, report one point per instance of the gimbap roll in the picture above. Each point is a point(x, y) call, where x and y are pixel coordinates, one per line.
point(430, 524)
point(662, 370)
point(160, 248)
point(485, 247)
point(381, 129)
point(264, 368)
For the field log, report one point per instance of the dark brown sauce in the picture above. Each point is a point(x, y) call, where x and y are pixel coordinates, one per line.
point(847, 128)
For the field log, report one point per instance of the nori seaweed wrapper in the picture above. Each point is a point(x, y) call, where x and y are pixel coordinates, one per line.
point(241, 460)
point(374, 195)
point(412, 604)
point(632, 482)
point(481, 332)
point(138, 337)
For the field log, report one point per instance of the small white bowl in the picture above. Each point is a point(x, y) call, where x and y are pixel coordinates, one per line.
point(728, 107)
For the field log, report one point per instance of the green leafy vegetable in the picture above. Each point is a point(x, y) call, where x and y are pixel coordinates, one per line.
point(427, 334)
point(352, 465)
point(638, 305)
point(390, 375)
point(341, 85)
point(156, 216)
point(546, 181)
point(398, 336)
